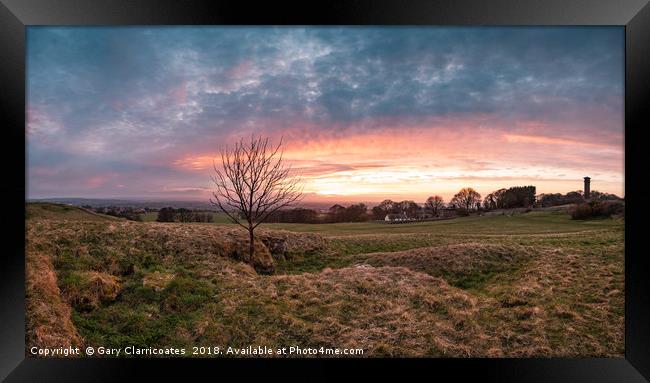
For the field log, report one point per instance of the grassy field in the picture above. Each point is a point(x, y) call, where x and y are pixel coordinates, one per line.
point(534, 285)
point(536, 222)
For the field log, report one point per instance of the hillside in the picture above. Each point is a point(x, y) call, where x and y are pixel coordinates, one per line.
point(55, 211)
point(542, 286)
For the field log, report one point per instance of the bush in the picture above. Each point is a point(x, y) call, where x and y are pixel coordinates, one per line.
point(166, 214)
point(610, 208)
point(595, 209)
point(582, 211)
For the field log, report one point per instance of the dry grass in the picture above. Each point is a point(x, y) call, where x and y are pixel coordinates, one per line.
point(87, 290)
point(462, 264)
point(157, 280)
point(387, 311)
point(563, 304)
point(115, 247)
point(48, 317)
point(43, 210)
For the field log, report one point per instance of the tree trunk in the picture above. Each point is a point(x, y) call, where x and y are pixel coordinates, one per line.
point(251, 246)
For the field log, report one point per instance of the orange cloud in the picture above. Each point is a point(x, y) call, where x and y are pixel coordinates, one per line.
point(193, 162)
point(439, 157)
point(544, 140)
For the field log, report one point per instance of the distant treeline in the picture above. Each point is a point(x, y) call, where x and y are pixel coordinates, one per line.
point(336, 213)
point(169, 214)
point(516, 196)
point(129, 213)
point(556, 199)
point(466, 201)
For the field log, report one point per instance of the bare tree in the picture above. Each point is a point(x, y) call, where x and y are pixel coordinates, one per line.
point(434, 204)
point(253, 183)
point(466, 198)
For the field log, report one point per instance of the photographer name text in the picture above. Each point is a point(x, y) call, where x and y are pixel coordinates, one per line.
point(193, 351)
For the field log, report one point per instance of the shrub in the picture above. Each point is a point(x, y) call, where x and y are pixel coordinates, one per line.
point(597, 209)
point(610, 208)
point(582, 211)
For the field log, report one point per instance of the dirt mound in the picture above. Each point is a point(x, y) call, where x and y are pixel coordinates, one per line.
point(463, 265)
point(200, 242)
point(387, 311)
point(285, 244)
point(123, 247)
point(237, 247)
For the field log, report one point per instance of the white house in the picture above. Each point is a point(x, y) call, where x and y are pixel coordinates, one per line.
point(397, 218)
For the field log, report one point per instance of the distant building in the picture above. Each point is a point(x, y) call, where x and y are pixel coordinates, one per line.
point(402, 217)
point(587, 189)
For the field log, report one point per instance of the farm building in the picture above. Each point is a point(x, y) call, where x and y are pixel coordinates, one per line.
point(402, 217)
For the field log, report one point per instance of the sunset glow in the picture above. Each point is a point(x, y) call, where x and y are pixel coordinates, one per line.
point(364, 114)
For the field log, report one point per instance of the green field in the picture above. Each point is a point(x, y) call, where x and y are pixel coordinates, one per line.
point(536, 222)
point(529, 223)
point(536, 284)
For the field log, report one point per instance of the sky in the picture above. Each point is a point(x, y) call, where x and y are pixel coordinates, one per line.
point(364, 113)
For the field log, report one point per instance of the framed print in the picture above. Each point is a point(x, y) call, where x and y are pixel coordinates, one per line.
point(431, 186)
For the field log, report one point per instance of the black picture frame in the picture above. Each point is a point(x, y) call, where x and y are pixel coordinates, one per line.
point(16, 15)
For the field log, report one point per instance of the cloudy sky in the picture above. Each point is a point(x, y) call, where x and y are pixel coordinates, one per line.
point(365, 113)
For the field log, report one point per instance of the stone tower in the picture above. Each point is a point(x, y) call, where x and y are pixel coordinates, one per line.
point(587, 187)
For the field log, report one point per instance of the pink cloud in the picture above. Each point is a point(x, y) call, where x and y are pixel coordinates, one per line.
point(240, 70)
point(545, 140)
point(179, 94)
point(98, 180)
